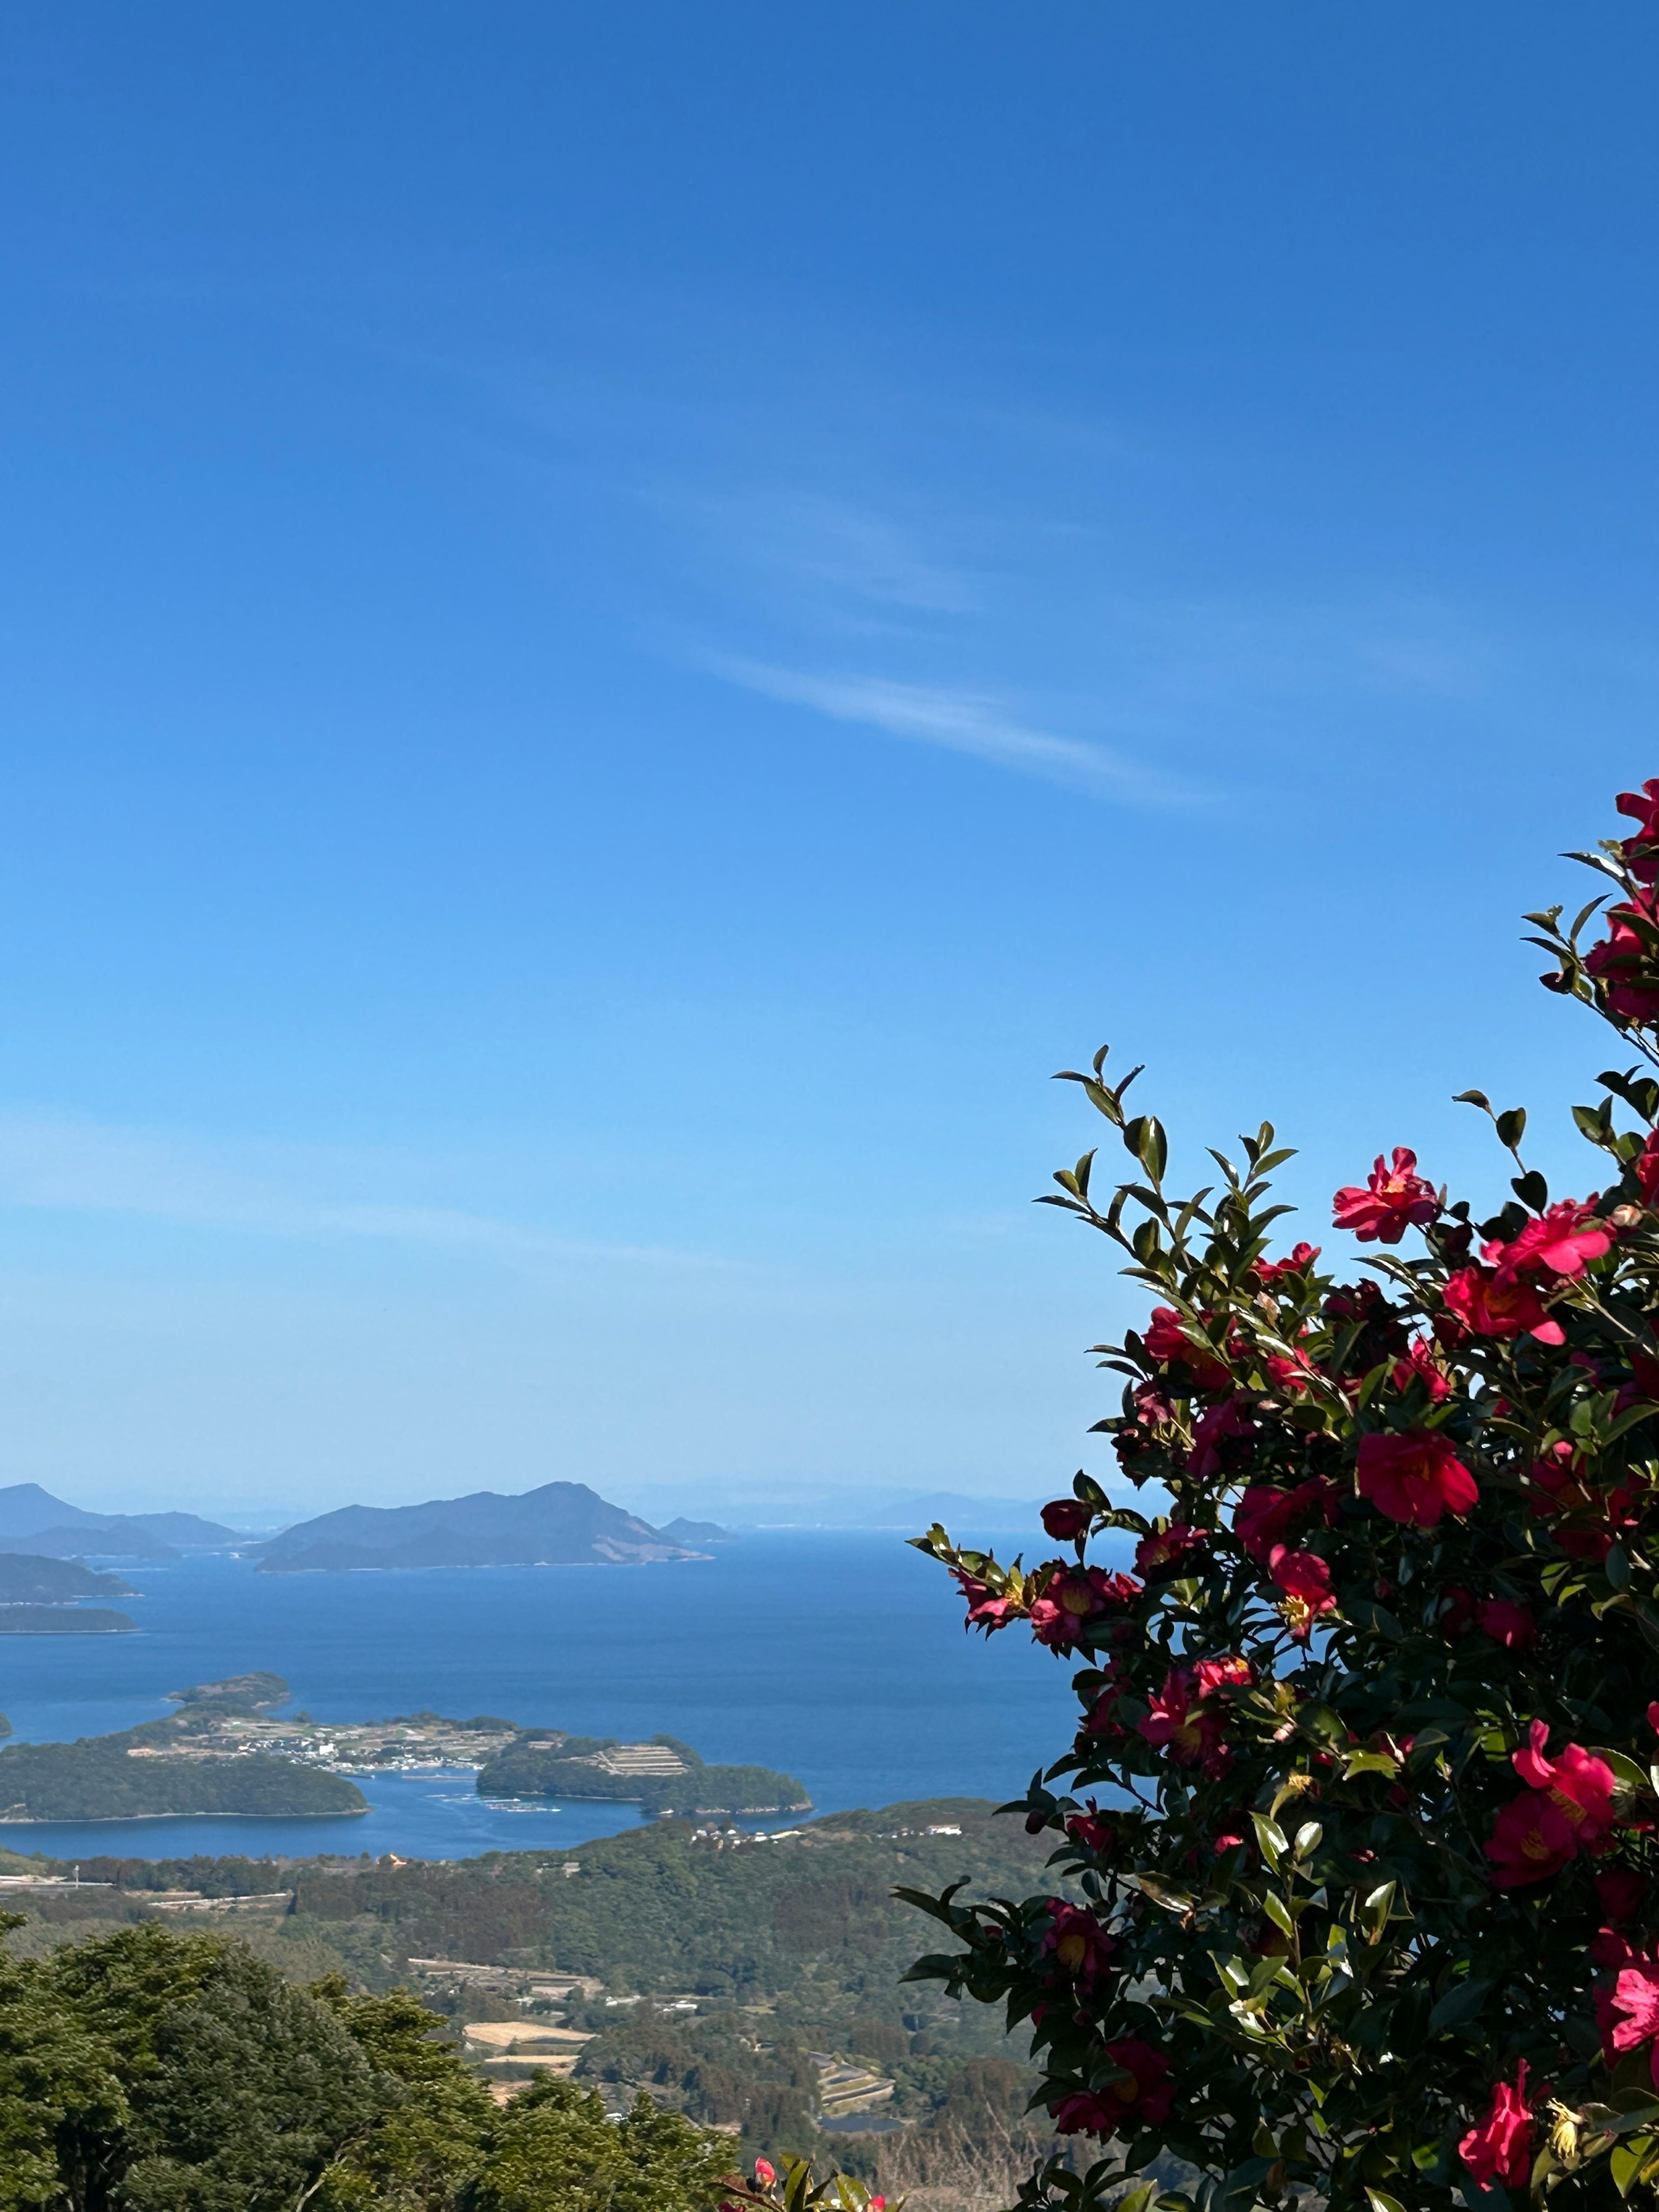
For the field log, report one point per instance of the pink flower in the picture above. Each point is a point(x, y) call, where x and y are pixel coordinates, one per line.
point(1414, 1478)
point(1511, 1625)
point(1500, 2148)
point(1499, 1305)
point(1580, 1785)
point(1306, 1582)
point(1632, 2011)
point(1646, 1169)
point(1066, 1517)
point(765, 2174)
point(1394, 1199)
point(1158, 1554)
point(1077, 1944)
point(984, 1610)
point(1531, 1840)
point(1145, 2094)
point(1561, 1241)
point(1212, 1674)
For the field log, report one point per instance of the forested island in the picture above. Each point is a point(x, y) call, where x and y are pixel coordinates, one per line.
point(184, 1764)
point(63, 1620)
point(663, 1776)
point(33, 1578)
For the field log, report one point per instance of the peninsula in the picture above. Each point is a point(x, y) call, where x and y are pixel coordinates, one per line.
point(182, 1766)
point(561, 1524)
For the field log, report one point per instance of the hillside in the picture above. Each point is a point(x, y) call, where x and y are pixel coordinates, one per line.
point(560, 1523)
point(26, 1578)
point(769, 1951)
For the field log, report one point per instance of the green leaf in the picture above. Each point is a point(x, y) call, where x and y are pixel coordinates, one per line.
point(1309, 1836)
point(1271, 1839)
point(1626, 2159)
point(1382, 2202)
point(1512, 1125)
point(1460, 2003)
point(1278, 1913)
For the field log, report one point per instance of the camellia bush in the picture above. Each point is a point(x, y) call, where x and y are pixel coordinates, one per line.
point(1360, 1827)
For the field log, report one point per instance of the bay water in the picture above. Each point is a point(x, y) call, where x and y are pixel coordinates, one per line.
point(839, 1657)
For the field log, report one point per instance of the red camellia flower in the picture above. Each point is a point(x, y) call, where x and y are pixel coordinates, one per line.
point(1306, 1582)
point(985, 1610)
point(1560, 1242)
point(1144, 2094)
point(1167, 1342)
point(1297, 1261)
point(1642, 808)
point(1499, 1304)
point(1066, 1517)
point(1620, 1891)
point(1219, 1437)
point(1091, 1831)
point(1629, 2013)
point(1414, 1478)
point(1531, 1840)
point(1598, 1516)
point(1579, 1784)
point(1264, 1517)
point(765, 2174)
point(1421, 1365)
point(1212, 1674)
point(1500, 2148)
point(1646, 1169)
point(1622, 964)
point(1072, 1598)
point(1166, 1548)
point(1511, 1625)
point(1393, 1200)
point(1077, 1944)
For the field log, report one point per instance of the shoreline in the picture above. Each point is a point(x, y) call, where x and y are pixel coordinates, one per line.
point(121, 1819)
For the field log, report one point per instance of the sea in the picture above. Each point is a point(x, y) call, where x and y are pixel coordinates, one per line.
point(839, 1657)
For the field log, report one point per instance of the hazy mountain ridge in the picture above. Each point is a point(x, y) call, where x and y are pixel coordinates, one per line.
point(48, 1528)
point(560, 1523)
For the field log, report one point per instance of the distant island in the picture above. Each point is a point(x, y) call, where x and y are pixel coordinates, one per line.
point(33, 1520)
point(663, 1776)
point(63, 1620)
point(561, 1524)
point(177, 1766)
point(26, 1578)
point(698, 1532)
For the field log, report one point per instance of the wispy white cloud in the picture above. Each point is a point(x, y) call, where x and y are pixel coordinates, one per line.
point(963, 722)
point(65, 1164)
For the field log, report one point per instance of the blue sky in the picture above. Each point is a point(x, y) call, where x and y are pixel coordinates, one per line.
point(622, 627)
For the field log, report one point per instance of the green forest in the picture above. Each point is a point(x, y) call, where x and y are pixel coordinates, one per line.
point(721, 1971)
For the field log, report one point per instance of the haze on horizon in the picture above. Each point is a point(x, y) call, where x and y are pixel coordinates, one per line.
point(622, 630)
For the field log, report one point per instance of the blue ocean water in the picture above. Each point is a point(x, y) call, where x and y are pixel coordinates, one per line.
point(839, 1657)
